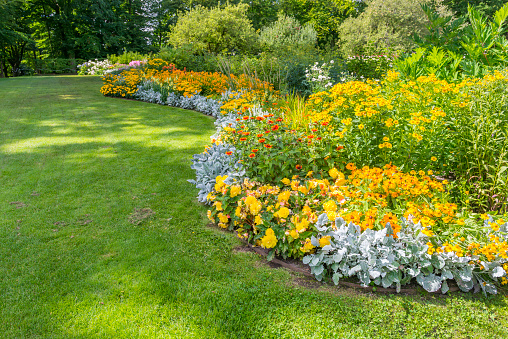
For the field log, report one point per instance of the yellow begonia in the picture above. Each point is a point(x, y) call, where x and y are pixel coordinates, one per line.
point(269, 240)
point(324, 241)
point(235, 190)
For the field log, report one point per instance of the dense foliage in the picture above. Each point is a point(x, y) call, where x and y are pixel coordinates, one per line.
point(471, 46)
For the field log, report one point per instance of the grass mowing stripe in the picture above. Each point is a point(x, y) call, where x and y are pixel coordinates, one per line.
point(76, 169)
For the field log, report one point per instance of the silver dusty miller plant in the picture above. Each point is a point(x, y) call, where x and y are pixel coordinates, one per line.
point(374, 257)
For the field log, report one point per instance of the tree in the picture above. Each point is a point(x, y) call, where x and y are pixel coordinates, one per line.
point(15, 36)
point(385, 25)
point(288, 32)
point(325, 16)
point(215, 30)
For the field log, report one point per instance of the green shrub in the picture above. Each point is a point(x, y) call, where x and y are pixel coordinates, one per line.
point(186, 57)
point(52, 66)
point(127, 57)
point(385, 25)
point(286, 32)
point(215, 30)
point(369, 66)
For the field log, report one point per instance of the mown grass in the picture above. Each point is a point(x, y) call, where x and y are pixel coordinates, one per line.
point(75, 166)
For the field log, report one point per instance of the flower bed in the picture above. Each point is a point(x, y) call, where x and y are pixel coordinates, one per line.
point(287, 181)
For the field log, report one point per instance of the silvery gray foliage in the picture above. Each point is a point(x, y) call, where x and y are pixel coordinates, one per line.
point(372, 256)
point(148, 95)
point(196, 102)
point(206, 105)
point(212, 163)
point(173, 99)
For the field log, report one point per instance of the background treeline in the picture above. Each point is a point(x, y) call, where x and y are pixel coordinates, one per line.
point(56, 35)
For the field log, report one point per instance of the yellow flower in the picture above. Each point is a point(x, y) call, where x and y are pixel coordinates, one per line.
point(324, 241)
point(223, 218)
point(294, 234)
point(282, 213)
point(235, 190)
point(361, 126)
point(284, 196)
point(258, 220)
point(433, 158)
point(269, 240)
point(286, 181)
point(334, 173)
point(307, 246)
point(330, 206)
point(218, 205)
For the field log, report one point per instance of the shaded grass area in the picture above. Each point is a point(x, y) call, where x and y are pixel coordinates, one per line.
point(101, 237)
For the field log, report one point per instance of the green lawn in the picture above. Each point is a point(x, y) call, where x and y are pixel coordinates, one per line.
point(78, 261)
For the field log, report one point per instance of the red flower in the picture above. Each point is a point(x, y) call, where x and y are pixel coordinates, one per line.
point(270, 121)
point(268, 146)
point(245, 118)
point(260, 118)
point(278, 119)
point(237, 119)
point(319, 138)
point(255, 150)
point(339, 148)
point(243, 139)
point(314, 130)
point(310, 136)
point(275, 127)
point(252, 155)
point(229, 153)
point(298, 167)
point(266, 132)
point(324, 123)
point(259, 135)
point(246, 133)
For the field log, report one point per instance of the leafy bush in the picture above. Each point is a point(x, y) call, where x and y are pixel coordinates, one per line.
point(369, 66)
point(287, 32)
point(384, 27)
point(187, 58)
point(57, 65)
point(126, 57)
point(215, 30)
point(453, 51)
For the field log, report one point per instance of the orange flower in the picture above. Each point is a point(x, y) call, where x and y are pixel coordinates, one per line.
point(255, 150)
point(252, 155)
point(268, 146)
point(298, 167)
point(262, 140)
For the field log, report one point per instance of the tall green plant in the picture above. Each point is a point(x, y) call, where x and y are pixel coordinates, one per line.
point(456, 49)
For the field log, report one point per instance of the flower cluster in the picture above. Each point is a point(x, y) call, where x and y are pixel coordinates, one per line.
point(94, 67)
